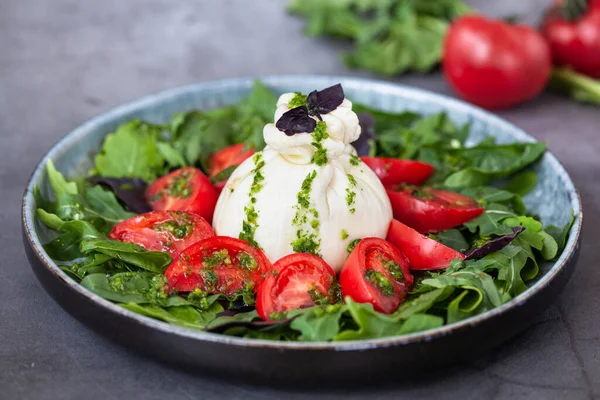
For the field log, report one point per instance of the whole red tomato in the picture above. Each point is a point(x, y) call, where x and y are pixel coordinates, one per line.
point(494, 64)
point(574, 36)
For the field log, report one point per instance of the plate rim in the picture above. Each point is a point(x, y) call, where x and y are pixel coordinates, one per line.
point(28, 213)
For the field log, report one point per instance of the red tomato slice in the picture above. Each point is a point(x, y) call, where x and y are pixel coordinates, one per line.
point(220, 264)
point(376, 272)
point(395, 171)
point(169, 231)
point(423, 253)
point(185, 189)
point(296, 281)
point(432, 210)
point(228, 157)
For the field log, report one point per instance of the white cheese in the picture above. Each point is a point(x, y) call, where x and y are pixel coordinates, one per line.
point(345, 201)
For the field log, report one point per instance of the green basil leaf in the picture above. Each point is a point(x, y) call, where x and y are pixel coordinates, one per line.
point(453, 239)
point(104, 204)
point(153, 261)
point(522, 183)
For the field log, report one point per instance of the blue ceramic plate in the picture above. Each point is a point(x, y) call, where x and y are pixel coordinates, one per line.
point(552, 200)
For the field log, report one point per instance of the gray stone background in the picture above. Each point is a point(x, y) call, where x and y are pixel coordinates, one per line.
point(63, 61)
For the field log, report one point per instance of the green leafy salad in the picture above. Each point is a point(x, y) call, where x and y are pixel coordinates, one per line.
point(136, 230)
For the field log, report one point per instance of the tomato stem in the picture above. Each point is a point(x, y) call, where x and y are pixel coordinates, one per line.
point(580, 87)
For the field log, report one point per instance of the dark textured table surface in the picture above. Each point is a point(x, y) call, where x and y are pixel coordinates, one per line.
point(63, 61)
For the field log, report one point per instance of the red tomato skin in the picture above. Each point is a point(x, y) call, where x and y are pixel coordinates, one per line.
point(185, 273)
point(493, 64)
point(423, 253)
point(394, 171)
point(275, 293)
point(354, 284)
point(435, 215)
point(227, 157)
point(144, 230)
point(576, 43)
point(201, 199)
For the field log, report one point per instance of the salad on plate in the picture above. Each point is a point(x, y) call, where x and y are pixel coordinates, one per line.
point(331, 221)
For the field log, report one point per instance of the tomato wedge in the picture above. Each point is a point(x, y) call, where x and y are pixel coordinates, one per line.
point(423, 253)
point(395, 171)
point(231, 156)
point(432, 210)
point(376, 272)
point(296, 281)
point(169, 231)
point(185, 189)
point(218, 265)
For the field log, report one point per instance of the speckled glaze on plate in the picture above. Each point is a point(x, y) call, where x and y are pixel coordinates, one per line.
point(270, 361)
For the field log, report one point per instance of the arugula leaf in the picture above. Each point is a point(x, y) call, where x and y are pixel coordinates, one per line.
point(371, 324)
point(420, 322)
point(319, 324)
point(67, 202)
point(153, 261)
point(131, 152)
point(225, 320)
point(550, 249)
point(489, 223)
point(560, 234)
point(424, 302)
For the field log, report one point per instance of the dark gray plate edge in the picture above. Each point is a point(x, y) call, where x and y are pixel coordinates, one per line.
point(28, 215)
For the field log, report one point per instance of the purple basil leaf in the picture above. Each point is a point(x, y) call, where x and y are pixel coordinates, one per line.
point(367, 127)
point(295, 121)
point(493, 245)
point(326, 100)
point(129, 190)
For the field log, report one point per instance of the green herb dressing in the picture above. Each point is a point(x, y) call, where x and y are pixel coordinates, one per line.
point(250, 224)
point(350, 193)
point(307, 220)
point(319, 134)
point(298, 100)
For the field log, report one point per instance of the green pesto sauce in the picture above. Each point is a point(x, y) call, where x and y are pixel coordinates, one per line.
point(180, 186)
point(179, 229)
point(250, 224)
point(352, 245)
point(307, 220)
point(344, 234)
point(298, 100)
point(217, 258)
point(350, 193)
point(319, 134)
point(394, 269)
point(247, 261)
point(380, 281)
point(354, 160)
